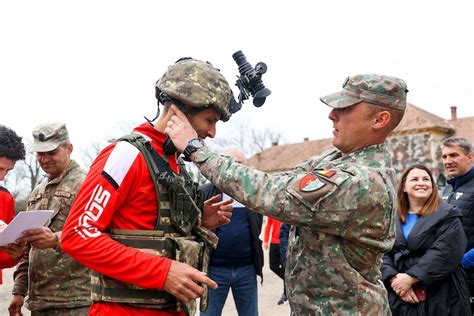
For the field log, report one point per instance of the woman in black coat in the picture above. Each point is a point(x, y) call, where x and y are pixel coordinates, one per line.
point(422, 272)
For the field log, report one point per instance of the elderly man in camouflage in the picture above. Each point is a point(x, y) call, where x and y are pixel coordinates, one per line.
point(53, 282)
point(342, 203)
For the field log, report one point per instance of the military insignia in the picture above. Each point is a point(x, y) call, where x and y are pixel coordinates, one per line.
point(62, 194)
point(326, 173)
point(310, 183)
point(345, 82)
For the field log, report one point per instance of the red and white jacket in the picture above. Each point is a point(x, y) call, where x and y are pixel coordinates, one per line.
point(118, 193)
point(7, 210)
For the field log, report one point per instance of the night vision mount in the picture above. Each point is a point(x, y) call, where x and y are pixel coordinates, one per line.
point(249, 82)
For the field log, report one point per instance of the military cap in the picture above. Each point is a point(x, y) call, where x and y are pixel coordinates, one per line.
point(376, 89)
point(197, 84)
point(48, 137)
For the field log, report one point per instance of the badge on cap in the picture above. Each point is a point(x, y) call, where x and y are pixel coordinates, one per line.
point(310, 183)
point(326, 173)
point(41, 137)
point(345, 82)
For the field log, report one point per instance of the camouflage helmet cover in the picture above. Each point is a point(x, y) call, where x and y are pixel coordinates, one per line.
point(197, 84)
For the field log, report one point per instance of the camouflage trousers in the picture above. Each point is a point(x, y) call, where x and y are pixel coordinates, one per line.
point(75, 311)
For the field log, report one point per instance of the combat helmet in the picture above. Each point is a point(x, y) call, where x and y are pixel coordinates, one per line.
point(196, 84)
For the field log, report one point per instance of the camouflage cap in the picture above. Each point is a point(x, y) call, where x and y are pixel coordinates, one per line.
point(381, 90)
point(197, 84)
point(48, 137)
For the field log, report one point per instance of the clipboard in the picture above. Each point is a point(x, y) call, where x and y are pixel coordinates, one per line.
point(23, 221)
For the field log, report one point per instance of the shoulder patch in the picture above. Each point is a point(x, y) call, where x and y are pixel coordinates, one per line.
point(310, 183)
point(312, 188)
point(120, 160)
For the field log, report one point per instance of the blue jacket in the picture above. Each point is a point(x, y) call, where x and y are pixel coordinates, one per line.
point(255, 223)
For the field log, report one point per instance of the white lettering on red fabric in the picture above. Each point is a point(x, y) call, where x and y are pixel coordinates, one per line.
point(93, 210)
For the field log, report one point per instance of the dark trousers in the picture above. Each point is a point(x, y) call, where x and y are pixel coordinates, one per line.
point(276, 264)
point(243, 283)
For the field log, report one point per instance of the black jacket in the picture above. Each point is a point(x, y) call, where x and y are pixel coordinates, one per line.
point(432, 254)
point(463, 198)
point(255, 224)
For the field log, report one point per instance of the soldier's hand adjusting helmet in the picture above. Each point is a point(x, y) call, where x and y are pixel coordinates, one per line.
point(196, 85)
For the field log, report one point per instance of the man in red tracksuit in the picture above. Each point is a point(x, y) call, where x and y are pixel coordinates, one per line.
point(118, 193)
point(11, 150)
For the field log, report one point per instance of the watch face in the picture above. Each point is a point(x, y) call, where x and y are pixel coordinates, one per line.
point(193, 145)
point(196, 143)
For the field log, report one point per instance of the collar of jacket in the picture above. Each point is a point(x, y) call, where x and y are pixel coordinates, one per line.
point(459, 180)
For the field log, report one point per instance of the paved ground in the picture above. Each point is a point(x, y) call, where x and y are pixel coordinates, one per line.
point(268, 295)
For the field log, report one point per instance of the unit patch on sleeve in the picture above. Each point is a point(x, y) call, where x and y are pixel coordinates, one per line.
point(310, 183)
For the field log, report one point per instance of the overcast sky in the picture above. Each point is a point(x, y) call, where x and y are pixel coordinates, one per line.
point(93, 64)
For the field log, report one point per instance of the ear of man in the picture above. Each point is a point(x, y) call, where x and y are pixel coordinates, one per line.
point(382, 120)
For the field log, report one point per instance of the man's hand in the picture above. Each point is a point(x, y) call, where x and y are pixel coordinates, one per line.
point(216, 213)
point(179, 129)
point(402, 283)
point(265, 245)
point(182, 282)
point(41, 238)
point(16, 304)
point(14, 250)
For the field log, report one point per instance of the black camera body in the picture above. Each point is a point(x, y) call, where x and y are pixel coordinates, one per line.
point(250, 80)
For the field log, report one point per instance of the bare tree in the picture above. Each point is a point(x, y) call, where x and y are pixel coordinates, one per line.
point(249, 140)
point(23, 179)
point(92, 150)
point(89, 153)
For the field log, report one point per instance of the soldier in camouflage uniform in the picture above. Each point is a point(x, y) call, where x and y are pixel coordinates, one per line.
point(137, 221)
point(53, 282)
point(341, 204)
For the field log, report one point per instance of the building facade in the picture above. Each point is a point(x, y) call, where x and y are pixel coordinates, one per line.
point(417, 139)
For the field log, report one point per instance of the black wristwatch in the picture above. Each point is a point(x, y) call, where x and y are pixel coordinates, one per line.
point(193, 145)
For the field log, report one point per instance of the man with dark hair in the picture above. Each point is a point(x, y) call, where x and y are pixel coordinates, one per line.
point(11, 150)
point(458, 157)
point(139, 221)
point(52, 282)
point(341, 205)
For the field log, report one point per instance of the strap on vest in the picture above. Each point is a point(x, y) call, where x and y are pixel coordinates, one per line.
point(184, 212)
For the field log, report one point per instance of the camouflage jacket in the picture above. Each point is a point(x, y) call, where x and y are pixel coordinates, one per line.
point(342, 210)
point(50, 277)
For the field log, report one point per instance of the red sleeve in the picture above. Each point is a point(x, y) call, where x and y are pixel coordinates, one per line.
point(276, 231)
point(7, 210)
point(268, 229)
point(115, 199)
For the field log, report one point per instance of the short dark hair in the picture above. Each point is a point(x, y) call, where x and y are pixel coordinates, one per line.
point(462, 142)
point(11, 145)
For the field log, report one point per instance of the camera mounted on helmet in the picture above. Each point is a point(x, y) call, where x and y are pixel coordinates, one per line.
point(249, 82)
point(194, 85)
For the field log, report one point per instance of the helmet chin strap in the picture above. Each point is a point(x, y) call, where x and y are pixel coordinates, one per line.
point(169, 148)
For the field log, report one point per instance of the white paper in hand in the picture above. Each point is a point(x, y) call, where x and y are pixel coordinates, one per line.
point(23, 221)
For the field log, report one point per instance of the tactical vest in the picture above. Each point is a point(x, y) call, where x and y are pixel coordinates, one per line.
point(178, 235)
